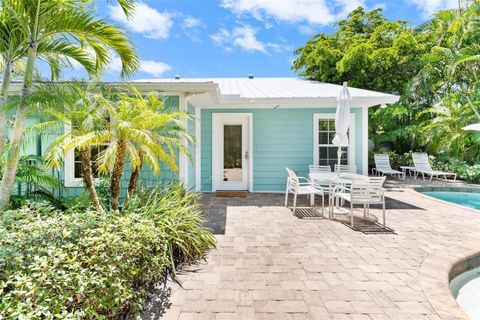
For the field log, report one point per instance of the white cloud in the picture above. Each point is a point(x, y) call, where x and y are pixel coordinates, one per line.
point(245, 38)
point(319, 12)
point(152, 67)
point(191, 22)
point(429, 7)
point(146, 20)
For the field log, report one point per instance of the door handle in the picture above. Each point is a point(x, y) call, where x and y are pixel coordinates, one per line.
point(246, 155)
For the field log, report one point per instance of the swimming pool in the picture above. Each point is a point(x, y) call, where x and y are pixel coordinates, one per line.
point(465, 286)
point(468, 197)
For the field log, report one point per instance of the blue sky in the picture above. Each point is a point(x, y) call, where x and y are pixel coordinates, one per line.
point(234, 38)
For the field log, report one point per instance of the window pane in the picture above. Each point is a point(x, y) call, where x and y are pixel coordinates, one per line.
point(322, 151)
point(232, 152)
point(78, 170)
point(323, 125)
point(323, 138)
point(331, 126)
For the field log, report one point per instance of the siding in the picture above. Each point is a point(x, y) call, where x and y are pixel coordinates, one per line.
point(281, 137)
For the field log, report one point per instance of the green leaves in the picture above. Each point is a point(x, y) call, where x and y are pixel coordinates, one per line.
point(85, 264)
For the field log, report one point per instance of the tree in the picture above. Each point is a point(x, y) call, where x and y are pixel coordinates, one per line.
point(80, 107)
point(62, 28)
point(141, 129)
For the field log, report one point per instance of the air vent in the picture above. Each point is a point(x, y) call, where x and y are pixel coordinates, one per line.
point(177, 77)
point(251, 76)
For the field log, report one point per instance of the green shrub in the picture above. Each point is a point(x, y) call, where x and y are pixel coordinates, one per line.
point(88, 264)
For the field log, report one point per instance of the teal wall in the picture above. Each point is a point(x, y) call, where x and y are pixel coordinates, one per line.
point(191, 124)
point(281, 137)
point(147, 177)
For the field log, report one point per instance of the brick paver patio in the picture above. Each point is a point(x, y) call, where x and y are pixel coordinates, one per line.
point(270, 264)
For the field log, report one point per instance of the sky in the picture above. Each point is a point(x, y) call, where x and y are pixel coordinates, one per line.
point(235, 38)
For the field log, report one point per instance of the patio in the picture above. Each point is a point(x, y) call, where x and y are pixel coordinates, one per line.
point(270, 264)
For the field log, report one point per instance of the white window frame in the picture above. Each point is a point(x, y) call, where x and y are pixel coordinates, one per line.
point(316, 145)
point(69, 167)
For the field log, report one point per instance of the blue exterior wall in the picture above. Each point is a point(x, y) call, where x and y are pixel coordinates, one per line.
point(281, 137)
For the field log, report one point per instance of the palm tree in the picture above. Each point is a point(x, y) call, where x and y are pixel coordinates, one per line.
point(143, 131)
point(78, 106)
point(59, 28)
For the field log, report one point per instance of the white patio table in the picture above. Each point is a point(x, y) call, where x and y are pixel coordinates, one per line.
point(332, 179)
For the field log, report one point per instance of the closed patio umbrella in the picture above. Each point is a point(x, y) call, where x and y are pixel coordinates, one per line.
point(472, 127)
point(342, 121)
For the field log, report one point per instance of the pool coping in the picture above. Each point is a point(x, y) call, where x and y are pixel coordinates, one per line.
point(435, 274)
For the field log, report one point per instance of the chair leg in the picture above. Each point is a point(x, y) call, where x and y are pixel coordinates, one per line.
point(383, 207)
point(351, 214)
point(286, 198)
point(294, 202)
point(323, 203)
point(312, 199)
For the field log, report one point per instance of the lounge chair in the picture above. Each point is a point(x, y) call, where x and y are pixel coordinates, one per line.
point(422, 165)
point(305, 188)
point(346, 168)
point(383, 167)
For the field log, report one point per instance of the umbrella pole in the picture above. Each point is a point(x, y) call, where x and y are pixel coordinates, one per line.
point(339, 155)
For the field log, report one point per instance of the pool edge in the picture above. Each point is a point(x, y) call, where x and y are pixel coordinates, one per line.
point(435, 274)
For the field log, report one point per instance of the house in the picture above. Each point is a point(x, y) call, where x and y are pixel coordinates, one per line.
point(247, 130)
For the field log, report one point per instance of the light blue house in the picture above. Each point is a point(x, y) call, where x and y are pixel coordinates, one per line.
point(247, 130)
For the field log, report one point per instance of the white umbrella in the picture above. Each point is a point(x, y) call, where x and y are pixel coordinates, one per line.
point(342, 121)
point(472, 127)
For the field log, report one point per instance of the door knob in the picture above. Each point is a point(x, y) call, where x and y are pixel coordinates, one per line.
point(246, 155)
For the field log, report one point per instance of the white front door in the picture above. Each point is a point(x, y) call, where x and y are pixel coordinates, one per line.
point(230, 154)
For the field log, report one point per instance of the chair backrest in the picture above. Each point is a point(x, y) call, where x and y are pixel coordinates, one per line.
point(346, 168)
point(420, 161)
point(319, 169)
point(292, 180)
point(367, 189)
point(382, 162)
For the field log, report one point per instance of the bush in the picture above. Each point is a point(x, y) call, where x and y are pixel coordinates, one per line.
point(89, 264)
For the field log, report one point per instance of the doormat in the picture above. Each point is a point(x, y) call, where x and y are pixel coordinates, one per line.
point(369, 228)
point(231, 194)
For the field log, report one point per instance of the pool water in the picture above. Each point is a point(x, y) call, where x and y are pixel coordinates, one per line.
point(468, 199)
point(466, 290)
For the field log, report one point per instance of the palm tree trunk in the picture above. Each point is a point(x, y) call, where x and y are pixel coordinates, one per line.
point(117, 173)
point(20, 117)
point(132, 185)
point(88, 176)
point(3, 99)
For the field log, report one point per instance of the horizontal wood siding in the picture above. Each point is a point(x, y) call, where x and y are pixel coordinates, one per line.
point(281, 138)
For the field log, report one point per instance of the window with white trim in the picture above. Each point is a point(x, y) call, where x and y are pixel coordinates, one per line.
point(324, 152)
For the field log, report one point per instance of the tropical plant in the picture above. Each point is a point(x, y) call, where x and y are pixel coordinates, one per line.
point(140, 129)
point(86, 264)
point(58, 28)
point(80, 108)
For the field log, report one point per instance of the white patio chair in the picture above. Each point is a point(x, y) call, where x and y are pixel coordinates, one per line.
point(383, 167)
point(422, 165)
point(319, 169)
point(346, 168)
point(364, 192)
point(301, 188)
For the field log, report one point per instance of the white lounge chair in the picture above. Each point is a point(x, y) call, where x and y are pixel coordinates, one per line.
point(422, 165)
point(305, 188)
point(383, 167)
point(346, 168)
point(364, 192)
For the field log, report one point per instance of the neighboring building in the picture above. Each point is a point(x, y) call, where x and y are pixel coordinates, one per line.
point(247, 130)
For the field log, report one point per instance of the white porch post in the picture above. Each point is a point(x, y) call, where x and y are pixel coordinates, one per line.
point(198, 149)
point(183, 165)
point(365, 141)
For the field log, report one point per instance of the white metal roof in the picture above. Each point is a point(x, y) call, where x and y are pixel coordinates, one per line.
point(280, 89)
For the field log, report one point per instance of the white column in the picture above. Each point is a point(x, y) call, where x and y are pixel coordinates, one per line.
point(183, 166)
point(198, 150)
point(365, 141)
